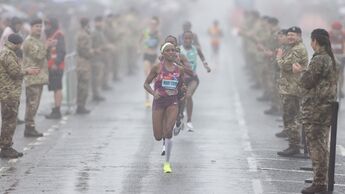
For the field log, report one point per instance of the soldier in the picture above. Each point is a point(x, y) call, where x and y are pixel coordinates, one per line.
point(35, 55)
point(98, 43)
point(85, 53)
point(289, 87)
point(110, 35)
point(116, 52)
point(319, 82)
point(11, 79)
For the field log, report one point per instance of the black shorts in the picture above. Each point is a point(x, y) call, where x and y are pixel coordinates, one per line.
point(150, 58)
point(55, 80)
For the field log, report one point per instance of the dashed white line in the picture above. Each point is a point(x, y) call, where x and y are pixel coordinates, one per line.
point(257, 186)
point(51, 130)
point(26, 149)
point(12, 161)
point(341, 149)
point(252, 164)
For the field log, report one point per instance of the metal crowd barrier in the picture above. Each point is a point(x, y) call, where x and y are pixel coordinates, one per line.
point(70, 82)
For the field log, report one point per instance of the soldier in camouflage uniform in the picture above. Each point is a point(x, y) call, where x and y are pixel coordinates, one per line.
point(85, 53)
point(279, 39)
point(99, 60)
point(319, 83)
point(289, 88)
point(35, 55)
point(111, 54)
point(11, 79)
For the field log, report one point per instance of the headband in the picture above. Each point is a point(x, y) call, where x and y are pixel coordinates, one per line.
point(165, 45)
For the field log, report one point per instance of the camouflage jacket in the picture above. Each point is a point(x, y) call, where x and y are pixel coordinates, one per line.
point(99, 43)
point(319, 82)
point(35, 55)
point(288, 81)
point(84, 44)
point(11, 73)
point(84, 51)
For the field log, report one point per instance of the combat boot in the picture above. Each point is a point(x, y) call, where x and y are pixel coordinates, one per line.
point(9, 152)
point(272, 111)
point(82, 110)
point(292, 150)
point(282, 134)
point(55, 114)
point(314, 189)
point(107, 88)
point(31, 132)
point(263, 98)
point(98, 98)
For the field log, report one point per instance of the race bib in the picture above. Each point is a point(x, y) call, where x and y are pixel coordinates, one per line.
point(169, 84)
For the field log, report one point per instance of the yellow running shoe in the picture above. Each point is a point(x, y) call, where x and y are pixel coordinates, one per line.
point(147, 104)
point(167, 167)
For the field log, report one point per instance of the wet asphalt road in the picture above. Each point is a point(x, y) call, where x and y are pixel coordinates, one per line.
point(112, 150)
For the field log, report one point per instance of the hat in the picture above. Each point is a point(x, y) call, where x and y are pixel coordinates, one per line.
point(295, 29)
point(84, 22)
point(35, 21)
point(283, 31)
point(337, 25)
point(15, 39)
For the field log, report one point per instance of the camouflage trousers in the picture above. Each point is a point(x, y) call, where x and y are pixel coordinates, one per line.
point(33, 99)
point(106, 73)
point(9, 112)
point(83, 78)
point(115, 62)
point(131, 57)
point(317, 137)
point(96, 78)
point(291, 111)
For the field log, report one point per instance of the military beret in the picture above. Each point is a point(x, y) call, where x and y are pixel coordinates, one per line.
point(15, 39)
point(36, 21)
point(295, 29)
point(283, 31)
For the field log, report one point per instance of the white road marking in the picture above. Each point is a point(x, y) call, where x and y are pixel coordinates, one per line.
point(55, 126)
point(51, 130)
point(12, 161)
point(252, 164)
point(257, 186)
point(26, 149)
point(341, 150)
point(41, 139)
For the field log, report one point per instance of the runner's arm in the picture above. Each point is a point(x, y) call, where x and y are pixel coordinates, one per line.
point(152, 75)
point(186, 65)
point(202, 57)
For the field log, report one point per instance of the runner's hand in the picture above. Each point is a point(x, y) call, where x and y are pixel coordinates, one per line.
point(156, 95)
point(208, 69)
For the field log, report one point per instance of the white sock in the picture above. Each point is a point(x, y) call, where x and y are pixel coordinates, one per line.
point(168, 146)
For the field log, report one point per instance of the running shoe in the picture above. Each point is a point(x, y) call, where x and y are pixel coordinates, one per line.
point(163, 150)
point(167, 167)
point(190, 127)
point(178, 128)
point(147, 104)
